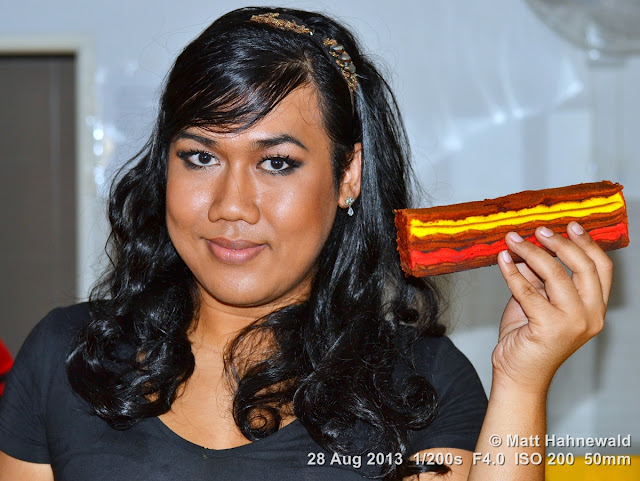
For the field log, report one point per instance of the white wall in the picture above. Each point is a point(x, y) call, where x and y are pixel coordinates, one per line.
point(494, 103)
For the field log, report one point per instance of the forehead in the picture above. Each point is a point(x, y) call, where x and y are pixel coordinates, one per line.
point(299, 108)
point(297, 115)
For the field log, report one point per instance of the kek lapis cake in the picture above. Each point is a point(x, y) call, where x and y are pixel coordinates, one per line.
point(452, 238)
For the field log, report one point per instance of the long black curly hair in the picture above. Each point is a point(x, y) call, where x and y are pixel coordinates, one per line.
point(338, 352)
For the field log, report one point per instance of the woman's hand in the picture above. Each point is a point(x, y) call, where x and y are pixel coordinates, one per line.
point(551, 313)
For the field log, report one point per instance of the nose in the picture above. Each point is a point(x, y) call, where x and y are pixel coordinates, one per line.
point(235, 197)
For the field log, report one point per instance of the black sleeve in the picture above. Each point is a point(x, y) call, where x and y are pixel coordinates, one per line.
point(22, 407)
point(462, 402)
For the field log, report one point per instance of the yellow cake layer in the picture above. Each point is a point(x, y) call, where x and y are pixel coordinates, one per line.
point(583, 208)
point(580, 471)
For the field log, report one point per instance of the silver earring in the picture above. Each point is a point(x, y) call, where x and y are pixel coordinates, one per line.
point(349, 202)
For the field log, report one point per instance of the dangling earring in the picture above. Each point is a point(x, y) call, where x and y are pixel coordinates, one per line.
point(349, 202)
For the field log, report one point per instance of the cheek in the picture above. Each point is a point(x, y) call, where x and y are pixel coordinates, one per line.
point(186, 204)
point(305, 215)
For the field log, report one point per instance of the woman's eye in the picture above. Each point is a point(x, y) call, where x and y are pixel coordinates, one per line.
point(198, 158)
point(277, 164)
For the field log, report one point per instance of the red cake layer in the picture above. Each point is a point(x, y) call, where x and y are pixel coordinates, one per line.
point(446, 260)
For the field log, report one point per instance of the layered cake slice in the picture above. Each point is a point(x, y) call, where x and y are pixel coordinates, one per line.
point(440, 240)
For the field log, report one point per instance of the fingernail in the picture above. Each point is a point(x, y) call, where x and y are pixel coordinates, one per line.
point(545, 231)
point(515, 237)
point(506, 257)
point(576, 228)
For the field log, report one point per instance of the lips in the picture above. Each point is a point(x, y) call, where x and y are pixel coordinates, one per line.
point(234, 252)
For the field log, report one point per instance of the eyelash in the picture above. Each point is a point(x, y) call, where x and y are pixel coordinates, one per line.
point(185, 154)
point(293, 164)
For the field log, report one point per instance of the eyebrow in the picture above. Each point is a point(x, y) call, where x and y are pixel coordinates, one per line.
point(257, 144)
point(279, 139)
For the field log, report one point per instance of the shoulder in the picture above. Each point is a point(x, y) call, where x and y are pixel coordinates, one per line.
point(434, 357)
point(37, 392)
point(461, 400)
point(73, 315)
point(64, 322)
point(56, 332)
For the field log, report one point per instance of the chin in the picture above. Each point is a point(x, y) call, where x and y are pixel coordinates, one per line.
point(235, 295)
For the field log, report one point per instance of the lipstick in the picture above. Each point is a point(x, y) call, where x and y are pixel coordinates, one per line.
point(234, 252)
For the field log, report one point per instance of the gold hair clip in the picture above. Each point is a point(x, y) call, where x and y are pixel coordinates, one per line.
point(342, 58)
point(273, 20)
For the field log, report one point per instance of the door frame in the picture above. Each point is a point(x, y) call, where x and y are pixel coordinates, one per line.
point(88, 235)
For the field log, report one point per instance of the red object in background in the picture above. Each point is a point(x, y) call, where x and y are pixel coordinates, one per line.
point(6, 361)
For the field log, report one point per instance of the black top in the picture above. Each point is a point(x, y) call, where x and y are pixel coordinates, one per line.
point(43, 421)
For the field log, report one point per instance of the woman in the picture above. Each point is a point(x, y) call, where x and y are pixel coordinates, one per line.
point(255, 323)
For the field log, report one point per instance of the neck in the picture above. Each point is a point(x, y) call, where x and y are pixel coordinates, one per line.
point(218, 324)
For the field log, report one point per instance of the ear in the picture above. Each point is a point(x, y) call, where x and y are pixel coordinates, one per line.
point(350, 183)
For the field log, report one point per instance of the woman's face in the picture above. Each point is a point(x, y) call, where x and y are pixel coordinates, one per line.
point(249, 212)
